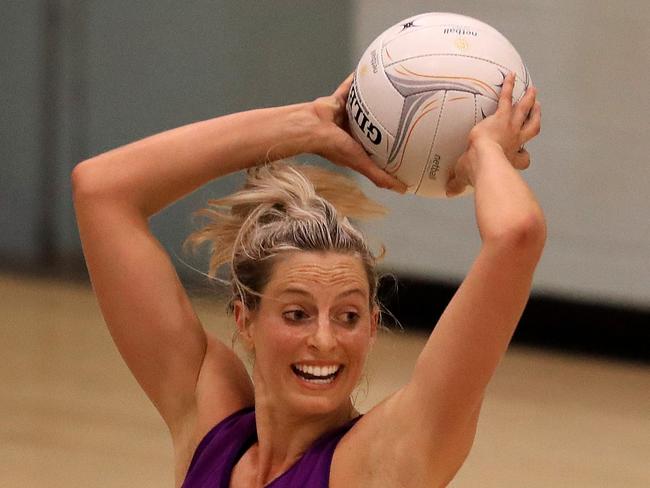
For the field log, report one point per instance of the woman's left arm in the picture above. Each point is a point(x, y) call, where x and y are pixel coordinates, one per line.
point(445, 392)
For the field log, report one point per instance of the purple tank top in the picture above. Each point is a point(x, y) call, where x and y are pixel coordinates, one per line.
point(221, 448)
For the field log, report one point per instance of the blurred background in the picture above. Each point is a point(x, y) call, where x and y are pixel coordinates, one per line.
point(570, 404)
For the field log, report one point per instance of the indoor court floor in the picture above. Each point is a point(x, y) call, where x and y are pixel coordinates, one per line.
point(71, 415)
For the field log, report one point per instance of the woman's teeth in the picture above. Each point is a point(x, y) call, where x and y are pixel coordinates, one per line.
point(316, 374)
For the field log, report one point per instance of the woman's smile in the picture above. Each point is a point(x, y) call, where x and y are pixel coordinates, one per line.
point(317, 375)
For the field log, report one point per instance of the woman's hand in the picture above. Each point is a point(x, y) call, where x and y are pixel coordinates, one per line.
point(333, 141)
point(510, 127)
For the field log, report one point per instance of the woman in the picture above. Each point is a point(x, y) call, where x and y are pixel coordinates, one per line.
point(303, 300)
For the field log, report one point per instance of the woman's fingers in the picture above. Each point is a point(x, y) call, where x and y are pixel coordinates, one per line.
point(505, 98)
point(333, 107)
point(345, 151)
point(454, 186)
point(521, 159)
point(458, 178)
point(512, 125)
point(367, 167)
point(337, 145)
point(524, 106)
point(533, 124)
point(344, 88)
point(379, 177)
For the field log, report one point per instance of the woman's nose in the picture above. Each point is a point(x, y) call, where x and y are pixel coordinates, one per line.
point(323, 337)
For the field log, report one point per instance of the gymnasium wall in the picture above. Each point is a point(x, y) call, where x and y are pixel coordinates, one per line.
point(79, 77)
point(21, 74)
point(590, 60)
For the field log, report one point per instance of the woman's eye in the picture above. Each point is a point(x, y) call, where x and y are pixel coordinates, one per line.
point(349, 318)
point(295, 315)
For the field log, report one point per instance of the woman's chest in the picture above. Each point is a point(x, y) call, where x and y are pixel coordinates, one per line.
point(244, 473)
point(310, 471)
point(341, 475)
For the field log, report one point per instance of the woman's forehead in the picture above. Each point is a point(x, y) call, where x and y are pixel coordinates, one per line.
point(328, 269)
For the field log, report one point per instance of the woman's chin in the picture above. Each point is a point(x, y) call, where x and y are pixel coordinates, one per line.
point(324, 403)
point(306, 398)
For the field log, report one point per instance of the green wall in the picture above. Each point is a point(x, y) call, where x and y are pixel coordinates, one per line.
point(101, 74)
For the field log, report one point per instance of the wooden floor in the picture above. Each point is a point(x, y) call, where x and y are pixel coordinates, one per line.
point(71, 415)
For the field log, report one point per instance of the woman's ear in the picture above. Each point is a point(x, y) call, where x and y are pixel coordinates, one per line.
point(243, 322)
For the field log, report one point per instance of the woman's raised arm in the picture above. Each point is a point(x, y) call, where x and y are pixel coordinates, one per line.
point(444, 395)
point(144, 305)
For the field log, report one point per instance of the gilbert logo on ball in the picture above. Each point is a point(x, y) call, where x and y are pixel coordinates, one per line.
point(419, 89)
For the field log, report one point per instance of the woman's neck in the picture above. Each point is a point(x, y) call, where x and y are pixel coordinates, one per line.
point(283, 437)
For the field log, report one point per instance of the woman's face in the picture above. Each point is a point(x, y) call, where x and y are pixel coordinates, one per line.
point(311, 332)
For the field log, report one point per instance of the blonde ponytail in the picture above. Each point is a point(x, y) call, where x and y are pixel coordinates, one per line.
point(283, 207)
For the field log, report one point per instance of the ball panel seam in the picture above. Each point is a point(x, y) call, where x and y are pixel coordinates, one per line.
point(460, 56)
point(433, 142)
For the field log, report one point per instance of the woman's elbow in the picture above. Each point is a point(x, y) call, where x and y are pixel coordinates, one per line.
point(80, 180)
point(87, 181)
point(527, 235)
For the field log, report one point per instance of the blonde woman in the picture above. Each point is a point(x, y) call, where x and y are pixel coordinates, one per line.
point(303, 297)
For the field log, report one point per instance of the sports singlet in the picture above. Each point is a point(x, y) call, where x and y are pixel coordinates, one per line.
point(221, 448)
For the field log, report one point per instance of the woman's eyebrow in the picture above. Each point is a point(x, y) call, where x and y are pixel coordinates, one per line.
point(352, 291)
point(296, 291)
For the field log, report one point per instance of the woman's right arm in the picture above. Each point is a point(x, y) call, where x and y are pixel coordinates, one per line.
point(143, 303)
point(146, 309)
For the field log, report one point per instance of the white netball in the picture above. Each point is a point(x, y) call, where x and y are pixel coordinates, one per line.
point(419, 89)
